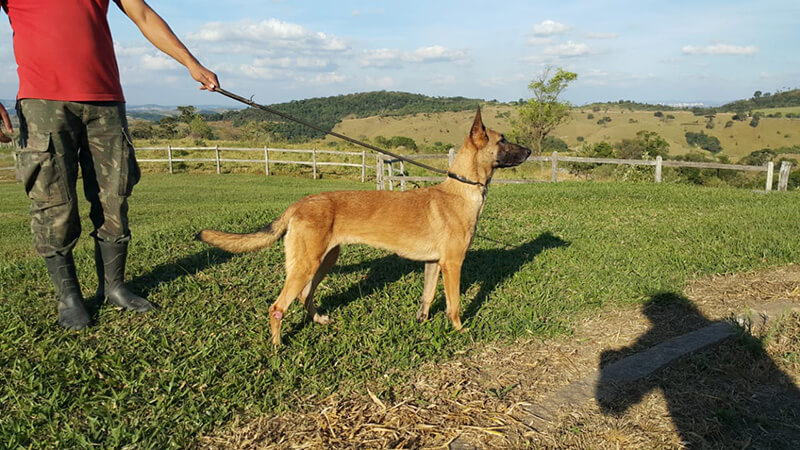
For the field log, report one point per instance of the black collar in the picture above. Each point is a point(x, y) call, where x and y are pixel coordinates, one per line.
point(465, 180)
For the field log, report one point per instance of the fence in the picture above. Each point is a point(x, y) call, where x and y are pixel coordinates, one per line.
point(386, 171)
point(268, 158)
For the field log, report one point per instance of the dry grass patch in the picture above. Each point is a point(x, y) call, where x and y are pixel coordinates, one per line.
point(743, 392)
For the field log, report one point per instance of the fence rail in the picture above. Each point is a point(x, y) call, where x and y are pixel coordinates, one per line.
point(266, 159)
point(389, 171)
point(386, 171)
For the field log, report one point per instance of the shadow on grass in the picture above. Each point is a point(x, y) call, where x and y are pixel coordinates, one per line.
point(731, 394)
point(488, 267)
point(166, 273)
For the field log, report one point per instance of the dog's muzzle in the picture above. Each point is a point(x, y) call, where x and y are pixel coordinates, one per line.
point(511, 155)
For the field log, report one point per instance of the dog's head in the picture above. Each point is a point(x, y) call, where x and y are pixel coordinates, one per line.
point(492, 148)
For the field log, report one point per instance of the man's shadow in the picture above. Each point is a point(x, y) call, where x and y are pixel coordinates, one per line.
point(164, 273)
point(729, 395)
point(488, 267)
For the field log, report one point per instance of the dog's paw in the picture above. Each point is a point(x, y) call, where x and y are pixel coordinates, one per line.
point(421, 316)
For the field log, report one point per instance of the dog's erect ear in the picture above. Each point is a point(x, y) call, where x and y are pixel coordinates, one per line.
point(478, 132)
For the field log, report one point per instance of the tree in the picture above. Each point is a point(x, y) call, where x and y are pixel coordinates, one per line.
point(187, 113)
point(200, 129)
point(543, 112)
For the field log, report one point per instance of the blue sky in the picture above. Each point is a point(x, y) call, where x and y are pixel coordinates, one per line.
point(281, 50)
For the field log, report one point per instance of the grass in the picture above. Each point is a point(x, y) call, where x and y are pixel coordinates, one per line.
point(544, 254)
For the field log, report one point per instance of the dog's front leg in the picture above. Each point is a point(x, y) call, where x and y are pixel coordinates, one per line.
point(432, 270)
point(451, 272)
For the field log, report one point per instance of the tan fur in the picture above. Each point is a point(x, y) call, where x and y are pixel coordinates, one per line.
point(435, 225)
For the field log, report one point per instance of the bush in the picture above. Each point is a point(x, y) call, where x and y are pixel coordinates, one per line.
point(703, 141)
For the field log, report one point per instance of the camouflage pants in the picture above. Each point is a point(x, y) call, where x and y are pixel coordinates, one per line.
point(55, 139)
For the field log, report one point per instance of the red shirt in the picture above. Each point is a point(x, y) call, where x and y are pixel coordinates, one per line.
point(64, 50)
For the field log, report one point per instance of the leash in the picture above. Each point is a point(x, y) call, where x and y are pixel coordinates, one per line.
point(288, 117)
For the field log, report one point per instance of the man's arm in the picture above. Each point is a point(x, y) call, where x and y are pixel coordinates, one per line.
point(156, 30)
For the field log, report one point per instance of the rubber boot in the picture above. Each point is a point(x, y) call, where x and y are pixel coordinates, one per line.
point(72, 313)
point(110, 259)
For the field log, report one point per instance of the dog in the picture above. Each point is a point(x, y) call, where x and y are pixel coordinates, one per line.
point(435, 225)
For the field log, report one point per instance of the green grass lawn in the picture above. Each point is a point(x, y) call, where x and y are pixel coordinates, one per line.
point(544, 254)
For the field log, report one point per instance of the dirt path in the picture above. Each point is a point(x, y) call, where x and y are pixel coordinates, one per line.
point(741, 392)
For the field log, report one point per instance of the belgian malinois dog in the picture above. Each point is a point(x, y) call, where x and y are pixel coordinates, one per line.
point(434, 224)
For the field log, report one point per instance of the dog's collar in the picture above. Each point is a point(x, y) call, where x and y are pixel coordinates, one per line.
point(465, 180)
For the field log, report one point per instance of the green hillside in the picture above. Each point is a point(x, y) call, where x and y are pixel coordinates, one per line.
point(328, 111)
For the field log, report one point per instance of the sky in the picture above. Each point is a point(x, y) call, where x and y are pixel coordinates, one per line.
point(275, 51)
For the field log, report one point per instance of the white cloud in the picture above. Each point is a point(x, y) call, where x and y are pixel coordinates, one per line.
point(568, 49)
point(540, 41)
point(602, 35)
point(301, 63)
point(549, 28)
point(323, 79)
point(158, 62)
point(443, 80)
point(268, 34)
point(435, 53)
point(719, 49)
point(381, 82)
point(385, 57)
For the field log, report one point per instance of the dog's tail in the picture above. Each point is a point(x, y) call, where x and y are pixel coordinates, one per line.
point(248, 242)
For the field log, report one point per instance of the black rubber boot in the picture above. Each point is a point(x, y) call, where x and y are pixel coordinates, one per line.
point(72, 313)
point(110, 260)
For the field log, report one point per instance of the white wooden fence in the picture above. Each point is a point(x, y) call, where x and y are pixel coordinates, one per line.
point(267, 157)
point(390, 172)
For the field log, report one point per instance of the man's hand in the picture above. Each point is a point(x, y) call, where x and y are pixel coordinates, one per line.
point(207, 78)
point(6, 123)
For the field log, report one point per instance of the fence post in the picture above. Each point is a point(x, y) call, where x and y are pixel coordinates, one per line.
point(363, 165)
point(379, 172)
point(451, 156)
point(554, 162)
point(783, 175)
point(770, 170)
point(169, 157)
point(658, 169)
point(216, 152)
point(266, 160)
point(314, 161)
point(390, 169)
point(403, 173)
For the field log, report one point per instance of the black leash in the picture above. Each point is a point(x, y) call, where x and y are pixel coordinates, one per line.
point(253, 104)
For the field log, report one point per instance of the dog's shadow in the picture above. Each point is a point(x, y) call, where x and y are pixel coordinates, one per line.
point(489, 268)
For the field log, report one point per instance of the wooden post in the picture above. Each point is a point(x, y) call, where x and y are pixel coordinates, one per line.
point(266, 160)
point(314, 161)
point(169, 157)
point(770, 170)
point(783, 175)
point(658, 169)
point(451, 156)
point(403, 173)
point(390, 169)
point(379, 172)
point(363, 166)
point(216, 152)
point(554, 163)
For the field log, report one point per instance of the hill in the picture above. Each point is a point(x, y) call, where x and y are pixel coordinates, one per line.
point(328, 111)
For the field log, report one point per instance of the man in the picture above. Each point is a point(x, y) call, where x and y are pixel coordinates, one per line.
point(72, 113)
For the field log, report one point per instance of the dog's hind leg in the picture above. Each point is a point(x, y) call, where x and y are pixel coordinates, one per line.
point(304, 250)
point(307, 296)
point(432, 270)
point(451, 272)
